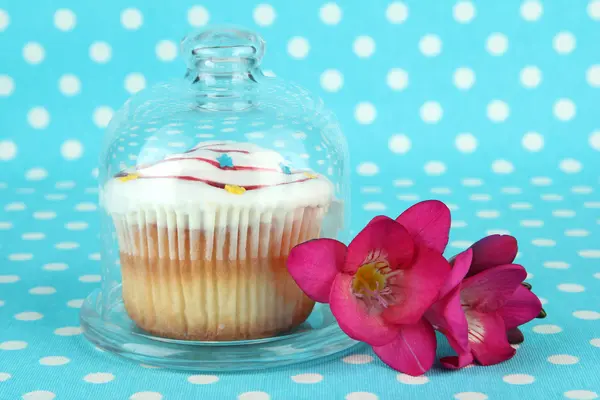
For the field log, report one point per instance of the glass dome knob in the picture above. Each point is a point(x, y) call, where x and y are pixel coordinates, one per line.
point(223, 49)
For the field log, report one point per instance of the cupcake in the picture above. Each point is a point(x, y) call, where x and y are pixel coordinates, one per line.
point(204, 237)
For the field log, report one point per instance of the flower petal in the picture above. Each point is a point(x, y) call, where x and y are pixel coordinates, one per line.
point(412, 351)
point(428, 222)
point(492, 251)
point(381, 239)
point(491, 289)
point(448, 317)
point(315, 264)
point(522, 307)
point(417, 288)
point(354, 318)
point(487, 338)
point(460, 266)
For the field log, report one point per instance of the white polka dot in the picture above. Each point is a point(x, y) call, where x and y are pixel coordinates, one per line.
point(396, 12)
point(102, 116)
point(587, 315)
point(592, 204)
point(547, 329)
point(582, 189)
point(4, 376)
point(498, 111)
point(518, 379)
point(361, 396)
point(9, 278)
point(54, 360)
point(511, 190)
point(203, 379)
point(595, 342)
point(264, 15)
point(503, 167)
point(66, 245)
point(435, 168)
point(135, 82)
point(332, 80)
point(364, 46)
point(65, 19)
point(430, 45)
point(577, 233)
point(71, 149)
point(564, 109)
point(76, 226)
point(461, 244)
point(563, 359)
point(8, 150)
point(131, 18)
point(42, 290)
point(488, 214)
point(307, 378)
point(33, 236)
point(570, 288)
point(44, 215)
point(403, 183)
point(412, 380)
point(563, 213)
point(397, 79)
point(198, 16)
point(15, 206)
point(29, 316)
point(5, 225)
point(99, 377)
point(33, 53)
point(100, 52)
point(367, 169)
point(532, 223)
point(497, 44)
point(13, 345)
point(55, 267)
point(365, 113)
point(532, 141)
point(90, 278)
point(431, 112)
point(330, 14)
point(75, 303)
point(564, 42)
point(39, 395)
point(471, 182)
point(85, 207)
point(399, 143)
point(4, 20)
point(464, 78)
point(146, 396)
point(7, 85)
point(358, 359)
point(69, 85)
point(470, 396)
point(254, 396)
point(570, 166)
point(166, 50)
point(463, 11)
point(458, 224)
point(592, 76)
point(480, 197)
point(20, 256)
point(581, 395)
point(298, 47)
point(531, 76)
point(36, 174)
point(521, 206)
point(38, 117)
point(466, 142)
point(531, 10)
point(594, 140)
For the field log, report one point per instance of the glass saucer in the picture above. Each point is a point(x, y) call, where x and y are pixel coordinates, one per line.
point(318, 337)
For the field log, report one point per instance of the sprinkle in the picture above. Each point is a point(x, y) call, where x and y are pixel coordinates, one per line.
point(235, 189)
point(225, 161)
point(310, 175)
point(285, 169)
point(129, 177)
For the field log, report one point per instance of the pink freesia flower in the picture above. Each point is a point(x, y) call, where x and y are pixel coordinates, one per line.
point(380, 286)
point(476, 312)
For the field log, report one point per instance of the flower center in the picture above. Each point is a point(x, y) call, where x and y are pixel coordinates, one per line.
point(371, 284)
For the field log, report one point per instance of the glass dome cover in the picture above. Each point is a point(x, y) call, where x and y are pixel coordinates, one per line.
point(206, 183)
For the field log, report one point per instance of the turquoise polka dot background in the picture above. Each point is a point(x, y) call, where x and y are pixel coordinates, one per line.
point(490, 106)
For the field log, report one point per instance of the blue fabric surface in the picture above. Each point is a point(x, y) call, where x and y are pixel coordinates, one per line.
point(489, 106)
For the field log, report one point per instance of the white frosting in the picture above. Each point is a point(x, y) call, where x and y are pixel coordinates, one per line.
point(159, 187)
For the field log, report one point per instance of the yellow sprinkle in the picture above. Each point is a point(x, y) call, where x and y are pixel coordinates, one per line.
point(310, 175)
point(235, 189)
point(129, 177)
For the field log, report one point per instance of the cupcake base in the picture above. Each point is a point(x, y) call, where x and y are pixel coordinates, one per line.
point(224, 284)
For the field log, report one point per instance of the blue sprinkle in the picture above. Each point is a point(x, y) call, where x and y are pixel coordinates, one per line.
point(225, 161)
point(285, 169)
